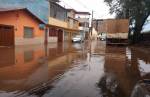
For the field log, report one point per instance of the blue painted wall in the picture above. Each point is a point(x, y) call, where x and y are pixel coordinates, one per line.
point(38, 7)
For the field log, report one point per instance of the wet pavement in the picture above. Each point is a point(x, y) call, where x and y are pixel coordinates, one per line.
point(89, 69)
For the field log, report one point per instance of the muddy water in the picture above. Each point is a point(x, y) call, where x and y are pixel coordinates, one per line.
point(73, 70)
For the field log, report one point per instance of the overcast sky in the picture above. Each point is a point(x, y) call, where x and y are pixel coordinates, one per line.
point(101, 10)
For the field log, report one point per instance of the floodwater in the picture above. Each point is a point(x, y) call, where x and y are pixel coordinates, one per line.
point(89, 69)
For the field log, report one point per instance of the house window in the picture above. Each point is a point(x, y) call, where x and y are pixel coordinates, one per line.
point(82, 24)
point(28, 32)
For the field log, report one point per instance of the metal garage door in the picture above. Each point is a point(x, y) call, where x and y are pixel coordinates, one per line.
point(6, 35)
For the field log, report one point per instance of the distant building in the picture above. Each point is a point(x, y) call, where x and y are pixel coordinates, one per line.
point(73, 24)
point(83, 18)
point(61, 25)
point(99, 25)
point(19, 26)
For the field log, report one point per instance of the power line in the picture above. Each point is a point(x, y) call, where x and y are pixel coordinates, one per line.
point(67, 4)
point(84, 6)
point(79, 2)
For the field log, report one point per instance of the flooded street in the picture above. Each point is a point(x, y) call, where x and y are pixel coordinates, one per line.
point(89, 69)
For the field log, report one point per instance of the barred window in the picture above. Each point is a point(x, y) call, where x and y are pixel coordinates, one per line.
point(28, 32)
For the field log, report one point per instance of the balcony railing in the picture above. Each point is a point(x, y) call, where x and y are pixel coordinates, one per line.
point(73, 24)
point(56, 22)
point(84, 28)
point(70, 24)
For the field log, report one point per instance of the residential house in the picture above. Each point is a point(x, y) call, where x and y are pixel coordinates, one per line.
point(19, 26)
point(60, 24)
point(83, 18)
point(73, 24)
point(99, 25)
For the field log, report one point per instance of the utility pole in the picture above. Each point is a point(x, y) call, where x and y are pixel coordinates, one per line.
point(92, 23)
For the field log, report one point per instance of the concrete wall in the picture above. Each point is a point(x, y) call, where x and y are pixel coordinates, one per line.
point(52, 39)
point(100, 26)
point(85, 24)
point(66, 35)
point(69, 35)
point(23, 41)
point(71, 14)
point(19, 19)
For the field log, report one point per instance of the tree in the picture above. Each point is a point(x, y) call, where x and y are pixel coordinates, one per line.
point(135, 10)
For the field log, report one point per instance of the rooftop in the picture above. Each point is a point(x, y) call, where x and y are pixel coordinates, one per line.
point(83, 13)
point(11, 9)
point(20, 8)
point(79, 12)
point(72, 10)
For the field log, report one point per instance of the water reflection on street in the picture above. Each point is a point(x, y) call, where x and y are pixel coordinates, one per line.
point(89, 69)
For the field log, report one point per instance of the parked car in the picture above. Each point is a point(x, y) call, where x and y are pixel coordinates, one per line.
point(77, 38)
point(102, 36)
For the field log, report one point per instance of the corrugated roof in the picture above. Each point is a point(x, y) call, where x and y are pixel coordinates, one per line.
point(72, 10)
point(79, 12)
point(11, 8)
point(20, 8)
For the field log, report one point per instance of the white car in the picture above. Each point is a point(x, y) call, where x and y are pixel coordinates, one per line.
point(77, 38)
point(102, 36)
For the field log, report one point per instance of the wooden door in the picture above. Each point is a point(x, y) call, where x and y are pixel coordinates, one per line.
point(6, 35)
point(60, 35)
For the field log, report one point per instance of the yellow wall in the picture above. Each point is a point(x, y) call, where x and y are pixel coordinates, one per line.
point(73, 24)
point(56, 22)
point(70, 24)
